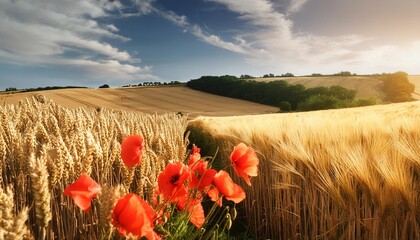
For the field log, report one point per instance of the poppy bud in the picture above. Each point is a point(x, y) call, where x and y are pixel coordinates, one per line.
point(228, 224)
point(233, 213)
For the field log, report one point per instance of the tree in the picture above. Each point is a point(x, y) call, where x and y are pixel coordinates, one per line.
point(316, 75)
point(10, 89)
point(343, 73)
point(268, 75)
point(318, 102)
point(246, 76)
point(104, 86)
point(397, 87)
point(288, 75)
point(285, 106)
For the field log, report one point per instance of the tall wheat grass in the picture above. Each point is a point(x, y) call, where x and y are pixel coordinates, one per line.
point(340, 174)
point(45, 147)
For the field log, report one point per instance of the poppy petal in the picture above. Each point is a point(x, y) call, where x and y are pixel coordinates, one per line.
point(225, 185)
point(133, 215)
point(245, 162)
point(132, 150)
point(82, 191)
point(197, 215)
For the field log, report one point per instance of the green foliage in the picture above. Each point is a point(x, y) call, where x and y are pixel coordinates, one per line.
point(397, 87)
point(278, 93)
point(104, 86)
point(288, 75)
point(316, 75)
point(319, 102)
point(366, 102)
point(10, 89)
point(268, 75)
point(285, 106)
point(343, 73)
point(246, 76)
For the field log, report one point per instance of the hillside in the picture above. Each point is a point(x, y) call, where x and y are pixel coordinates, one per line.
point(366, 86)
point(333, 174)
point(147, 100)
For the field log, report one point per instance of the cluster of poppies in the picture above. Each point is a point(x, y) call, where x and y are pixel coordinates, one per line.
point(181, 185)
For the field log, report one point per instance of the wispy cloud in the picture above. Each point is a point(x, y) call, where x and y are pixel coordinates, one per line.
point(296, 5)
point(239, 45)
point(271, 39)
point(66, 33)
point(287, 49)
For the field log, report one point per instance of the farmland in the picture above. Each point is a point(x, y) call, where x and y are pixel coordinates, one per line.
point(334, 174)
point(147, 100)
point(365, 86)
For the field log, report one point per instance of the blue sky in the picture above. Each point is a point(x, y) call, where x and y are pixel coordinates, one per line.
point(93, 42)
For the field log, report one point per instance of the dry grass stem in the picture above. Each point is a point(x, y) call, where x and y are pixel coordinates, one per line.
point(337, 174)
point(61, 144)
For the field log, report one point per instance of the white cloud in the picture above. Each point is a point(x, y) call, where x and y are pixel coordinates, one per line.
point(196, 30)
point(112, 27)
point(145, 6)
point(51, 32)
point(105, 69)
point(281, 47)
point(296, 5)
point(216, 41)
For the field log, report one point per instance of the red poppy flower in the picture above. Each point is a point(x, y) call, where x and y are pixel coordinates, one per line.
point(133, 215)
point(214, 195)
point(195, 155)
point(245, 162)
point(225, 185)
point(132, 150)
point(82, 191)
point(196, 214)
point(194, 208)
point(171, 181)
point(201, 177)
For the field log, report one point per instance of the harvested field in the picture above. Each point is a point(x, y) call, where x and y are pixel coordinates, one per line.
point(148, 100)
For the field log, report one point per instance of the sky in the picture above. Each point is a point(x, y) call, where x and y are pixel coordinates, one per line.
point(120, 42)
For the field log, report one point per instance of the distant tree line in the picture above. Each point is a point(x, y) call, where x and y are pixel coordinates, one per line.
point(40, 88)
point(280, 93)
point(342, 73)
point(154, 84)
point(270, 75)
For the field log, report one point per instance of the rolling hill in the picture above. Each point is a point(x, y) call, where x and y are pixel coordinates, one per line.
point(365, 86)
point(147, 100)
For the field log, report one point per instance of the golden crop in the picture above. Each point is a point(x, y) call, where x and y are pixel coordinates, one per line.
point(338, 174)
point(45, 147)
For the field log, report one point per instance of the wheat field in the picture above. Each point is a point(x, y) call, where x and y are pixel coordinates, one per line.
point(160, 100)
point(336, 174)
point(44, 147)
